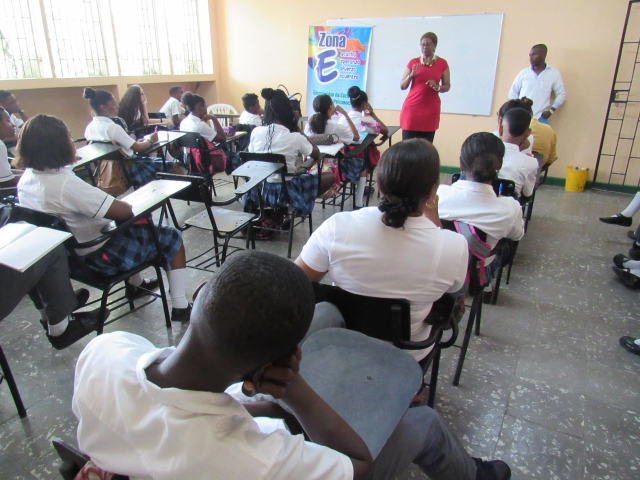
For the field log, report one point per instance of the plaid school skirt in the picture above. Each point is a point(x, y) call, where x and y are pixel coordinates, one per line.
point(131, 247)
point(351, 168)
point(143, 170)
point(302, 190)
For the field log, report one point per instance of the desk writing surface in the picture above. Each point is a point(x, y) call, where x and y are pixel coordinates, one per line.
point(331, 150)
point(153, 194)
point(369, 383)
point(392, 130)
point(165, 137)
point(257, 172)
point(94, 152)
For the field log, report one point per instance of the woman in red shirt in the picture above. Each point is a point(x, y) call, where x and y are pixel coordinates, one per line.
point(428, 76)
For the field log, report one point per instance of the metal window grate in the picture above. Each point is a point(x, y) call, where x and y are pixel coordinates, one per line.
point(184, 43)
point(75, 38)
point(19, 56)
point(136, 31)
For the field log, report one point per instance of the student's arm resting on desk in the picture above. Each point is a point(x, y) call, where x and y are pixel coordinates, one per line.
point(119, 211)
point(281, 379)
point(144, 145)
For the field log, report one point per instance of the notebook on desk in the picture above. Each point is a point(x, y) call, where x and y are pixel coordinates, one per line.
point(23, 244)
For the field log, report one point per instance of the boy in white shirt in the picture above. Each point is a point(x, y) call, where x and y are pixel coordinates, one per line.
point(517, 166)
point(173, 108)
point(252, 110)
point(7, 174)
point(17, 115)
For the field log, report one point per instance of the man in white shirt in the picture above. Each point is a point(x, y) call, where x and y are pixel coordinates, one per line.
point(173, 109)
point(252, 110)
point(164, 414)
point(517, 166)
point(538, 83)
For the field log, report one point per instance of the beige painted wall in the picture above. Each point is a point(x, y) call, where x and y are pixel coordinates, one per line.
point(263, 44)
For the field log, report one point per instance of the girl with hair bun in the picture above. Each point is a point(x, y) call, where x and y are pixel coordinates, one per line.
point(366, 121)
point(141, 170)
point(395, 250)
point(280, 134)
point(198, 118)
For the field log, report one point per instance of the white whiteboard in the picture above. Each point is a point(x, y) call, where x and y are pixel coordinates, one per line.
point(469, 44)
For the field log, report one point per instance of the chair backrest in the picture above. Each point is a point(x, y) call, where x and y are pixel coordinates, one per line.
point(222, 108)
point(455, 177)
point(198, 191)
point(504, 188)
point(475, 285)
point(73, 460)
point(157, 116)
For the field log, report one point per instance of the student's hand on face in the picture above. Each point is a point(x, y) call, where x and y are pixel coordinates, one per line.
point(153, 137)
point(274, 378)
point(368, 109)
point(340, 110)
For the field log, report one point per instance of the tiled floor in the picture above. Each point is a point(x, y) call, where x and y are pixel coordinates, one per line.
point(546, 387)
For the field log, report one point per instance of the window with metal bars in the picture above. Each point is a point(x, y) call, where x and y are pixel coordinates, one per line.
point(184, 43)
point(19, 57)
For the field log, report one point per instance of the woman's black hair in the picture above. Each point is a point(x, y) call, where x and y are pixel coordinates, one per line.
point(481, 157)
point(97, 97)
point(192, 100)
point(44, 143)
point(357, 97)
point(510, 105)
point(407, 173)
point(278, 108)
point(318, 122)
point(130, 107)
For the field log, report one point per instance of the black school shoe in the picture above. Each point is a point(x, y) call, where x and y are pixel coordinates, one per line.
point(492, 470)
point(132, 292)
point(80, 325)
point(617, 219)
point(629, 279)
point(82, 296)
point(181, 314)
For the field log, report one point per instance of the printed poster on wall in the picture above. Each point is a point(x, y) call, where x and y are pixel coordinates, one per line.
point(338, 60)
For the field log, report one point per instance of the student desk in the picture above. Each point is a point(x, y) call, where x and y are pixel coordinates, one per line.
point(368, 382)
point(95, 152)
point(153, 195)
point(165, 137)
point(392, 131)
point(232, 141)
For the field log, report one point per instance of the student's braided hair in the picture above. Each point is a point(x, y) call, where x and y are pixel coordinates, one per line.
point(277, 108)
point(321, 105)
point(357, 97)
point(97, 97)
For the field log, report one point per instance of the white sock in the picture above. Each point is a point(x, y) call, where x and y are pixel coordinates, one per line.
point(631, 264)
point(177, 284)
point(43, 314)
point(360, 191)
point(633, 207)
point(59, 328)
point(637, 341)
point(136, 280)
point(634, 272)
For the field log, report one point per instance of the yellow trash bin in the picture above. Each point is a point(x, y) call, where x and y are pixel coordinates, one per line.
point(576, 178)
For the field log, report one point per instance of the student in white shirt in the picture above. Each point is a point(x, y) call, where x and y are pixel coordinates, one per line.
point(141, 170)
point(7, 174)
point(17, 114)
point(527, 145)
point(133, 108)
point(517, 166)
point(366, 121)
point(198, 119)
point(280, 134)
point(172, 108)
point(46, 151)
point(252, 110)
point(395, 250)
point(136, 403)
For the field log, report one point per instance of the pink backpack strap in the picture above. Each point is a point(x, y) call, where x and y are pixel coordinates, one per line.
point(477, 247)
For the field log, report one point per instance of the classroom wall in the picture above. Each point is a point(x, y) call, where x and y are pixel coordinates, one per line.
point(264, 44)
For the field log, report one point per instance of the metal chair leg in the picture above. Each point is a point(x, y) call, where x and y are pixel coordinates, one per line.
point(103, 311)
point(291, 225)
point(477, 303)
point(435, 367)
point(13, 388)
point(163, 297)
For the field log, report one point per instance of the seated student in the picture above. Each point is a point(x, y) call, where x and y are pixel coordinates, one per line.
point(102, 128)
point(198, 119)
point(280, 134)
point(9, 102)
point(133, 108)
point(172, 108)
point(366, 121)
point(140, 407)
point(544, 138)
point(252, 110)
point(527, 145)
point(373, 251)
point(518, 166)
point(46, 151)
point(473, 200)
point(8, 176)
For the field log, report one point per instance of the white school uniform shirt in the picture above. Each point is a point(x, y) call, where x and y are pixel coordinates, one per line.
point(103, 129)
point(539, 88)
point(197, 125)
point(5, 168)
point(419, 262)
point(343, 132)
point(62, 193)
point(248, 118)
point(527, 151)
point(172, 107)
point(277, 138)
point(357, 118)
point(478, 205)
point(129, 425)
point(520, 168)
